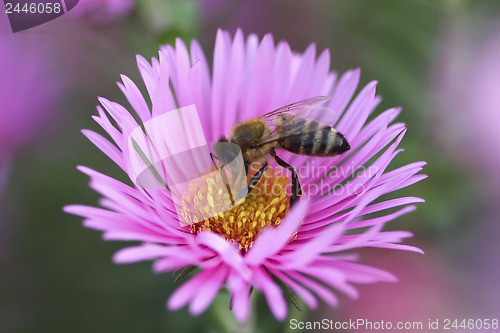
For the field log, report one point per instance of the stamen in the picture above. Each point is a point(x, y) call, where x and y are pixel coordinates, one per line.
point(265, 206)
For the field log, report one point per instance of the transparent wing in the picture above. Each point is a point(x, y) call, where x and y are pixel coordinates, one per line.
point(297, 119)
point(291, 126)
point(300, 106)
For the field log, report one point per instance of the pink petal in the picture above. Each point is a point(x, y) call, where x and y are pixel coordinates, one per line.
point(221, 54)
point(174, 263)
point(207, 292)
point(227, 252)
point(147, 73)
point(200, 97)
point(104, 122)
point(401, 247)
point(273, 293)
point(105, 146)
point(306, 253)
point(121, 115)
point(185, 293)
point(138, 253)
point(344, 90)
point(256, 96)
point(323, 292)
point(240, 300)
point(271, 240)
point(304, 73)
point(141, 235)
point(363, 274)
point(302, 292)
point(333, 277)
point(282, 74)
point(381, 219)
point(320, 84)
point(357, 113)
point(183, 256)
point(162, 98)
point(234, 83)
point(135, 98)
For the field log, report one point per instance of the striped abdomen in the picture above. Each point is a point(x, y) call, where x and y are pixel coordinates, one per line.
point(314, 139)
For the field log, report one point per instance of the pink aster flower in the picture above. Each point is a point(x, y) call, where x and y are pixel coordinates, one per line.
point(307, 249)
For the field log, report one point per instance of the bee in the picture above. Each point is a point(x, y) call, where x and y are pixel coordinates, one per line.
point(258, 140)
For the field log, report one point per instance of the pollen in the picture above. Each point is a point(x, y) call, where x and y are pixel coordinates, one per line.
point(240, 223)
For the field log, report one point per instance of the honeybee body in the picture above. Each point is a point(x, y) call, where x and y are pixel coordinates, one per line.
point(291, 132)
point(315, 140)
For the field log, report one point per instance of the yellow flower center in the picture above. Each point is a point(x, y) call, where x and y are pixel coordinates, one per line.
point(265, 206)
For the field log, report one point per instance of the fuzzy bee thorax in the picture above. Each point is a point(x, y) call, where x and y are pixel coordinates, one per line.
point(247, 135)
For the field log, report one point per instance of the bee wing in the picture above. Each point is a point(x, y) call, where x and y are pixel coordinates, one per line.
point(299, 107)
point(294, 117)
point(293, 126)
point(308, 109)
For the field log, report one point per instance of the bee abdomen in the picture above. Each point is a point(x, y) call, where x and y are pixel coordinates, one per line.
point(317, 140)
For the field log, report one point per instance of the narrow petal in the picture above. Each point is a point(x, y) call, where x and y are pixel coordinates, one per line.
point(138, 253)
point(105, 146)
point(302, 292)
point(320, 290)
point(185, 293)
point(304, 73)
point(135, 98)
point(227, 252)
point(240, 300)
point(148, 75)
point(207, 292)
point(306, 253)
point(273, 293)
point(270, 241)
point(221, 54)
point(256, 97)
point(344, 90)
point(106, 125)
point(162, 98)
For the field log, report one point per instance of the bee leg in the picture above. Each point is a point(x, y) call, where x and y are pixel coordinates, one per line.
point(223, 176)
point(296, 188)
point(246, 168)
point(255, 179)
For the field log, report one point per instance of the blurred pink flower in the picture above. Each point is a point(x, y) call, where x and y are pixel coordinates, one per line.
point(260, 16)
point(102, 11)
point(427, 291)
point(482, 104)
point(469, 95)
point(468, 89)
point(28, 91)
point(307, 251)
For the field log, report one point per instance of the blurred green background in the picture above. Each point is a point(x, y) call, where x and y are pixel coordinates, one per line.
point(56, 276)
